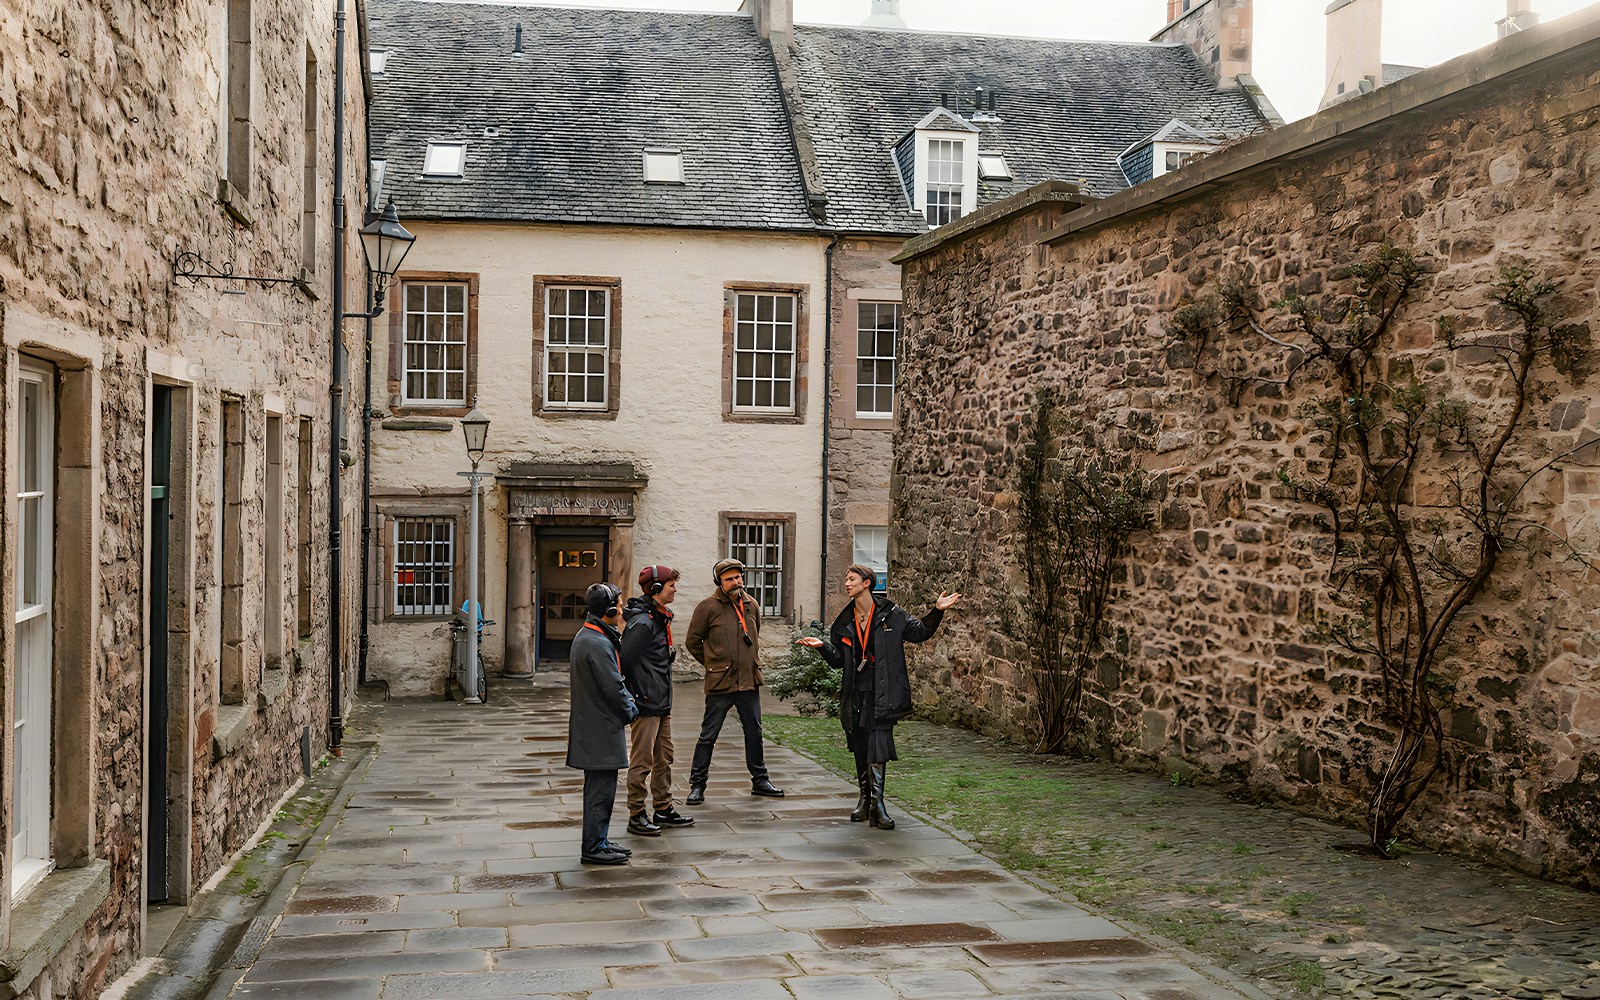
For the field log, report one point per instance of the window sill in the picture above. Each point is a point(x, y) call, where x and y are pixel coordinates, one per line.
point(234, 723)
point(737, 417)
point(47, 918)
point(273, 685)
point(416, 424)
point(560, 414)
point(232, 202)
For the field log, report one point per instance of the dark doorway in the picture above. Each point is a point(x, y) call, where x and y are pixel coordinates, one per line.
point(570, 560)
point(158, 594)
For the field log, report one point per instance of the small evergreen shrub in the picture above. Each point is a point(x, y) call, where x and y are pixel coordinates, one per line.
point(804, 678)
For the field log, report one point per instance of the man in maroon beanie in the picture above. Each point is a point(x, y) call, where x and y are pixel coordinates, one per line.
point(647, 655)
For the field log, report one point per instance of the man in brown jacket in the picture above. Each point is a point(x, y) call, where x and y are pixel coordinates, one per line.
point(724, 636)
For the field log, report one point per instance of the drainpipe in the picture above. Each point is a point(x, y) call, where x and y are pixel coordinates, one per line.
point(366, 500)
point(336, 407)
point(827, 411)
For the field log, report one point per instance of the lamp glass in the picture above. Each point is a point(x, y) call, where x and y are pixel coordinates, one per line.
point(386, 242)
point(475, 426)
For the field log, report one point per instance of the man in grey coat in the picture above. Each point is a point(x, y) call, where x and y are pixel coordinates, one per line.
point(597, 728)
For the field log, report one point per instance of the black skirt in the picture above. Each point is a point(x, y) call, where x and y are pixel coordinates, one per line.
point(868, 736)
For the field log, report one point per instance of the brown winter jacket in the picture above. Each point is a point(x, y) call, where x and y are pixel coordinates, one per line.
point(714, 639)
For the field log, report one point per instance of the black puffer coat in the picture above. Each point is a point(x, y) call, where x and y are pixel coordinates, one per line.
point(892, 628)
point(647, 655)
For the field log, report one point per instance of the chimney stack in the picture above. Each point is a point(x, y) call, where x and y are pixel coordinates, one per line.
point(1355, 49)
point(1219, 32)
point(1519, 17)
point(772, 17)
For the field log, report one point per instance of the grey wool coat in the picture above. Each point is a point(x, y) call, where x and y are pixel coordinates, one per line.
point(597, 727)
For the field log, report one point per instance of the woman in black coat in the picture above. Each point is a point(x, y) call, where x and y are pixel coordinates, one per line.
point(867, 643)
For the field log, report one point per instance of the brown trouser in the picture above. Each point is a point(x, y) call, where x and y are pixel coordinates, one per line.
point(650, 758)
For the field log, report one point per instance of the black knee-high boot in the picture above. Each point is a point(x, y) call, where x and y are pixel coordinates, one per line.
point(878, 810)
point(864, 780)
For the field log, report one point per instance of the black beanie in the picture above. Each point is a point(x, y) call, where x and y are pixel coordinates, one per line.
point(601, 599)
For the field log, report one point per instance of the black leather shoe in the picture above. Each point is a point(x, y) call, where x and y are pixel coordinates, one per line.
point(671, 817)
point(765, 787)
point(697, 795)
point(609, 846)
point(605, 856)
point(642, 826)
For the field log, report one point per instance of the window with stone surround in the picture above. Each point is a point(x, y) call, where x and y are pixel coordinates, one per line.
point(764, 352)
point(433, 342)
point(309, 233)
point(33, 446)
point(303, 529)
point(577, 350)
point(870, 548)
point(423, 567)
point(877, 332)
point(232, 642)
point(764, 542)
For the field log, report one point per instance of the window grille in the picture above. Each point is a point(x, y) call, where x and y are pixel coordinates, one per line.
point(424, 565)
point(759, 545)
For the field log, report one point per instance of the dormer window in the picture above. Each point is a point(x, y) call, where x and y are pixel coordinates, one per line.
point(938, 162)
point(1170, 157)
point(663, 166)
point(993, 167)
point(378, 60)
point(445, 159)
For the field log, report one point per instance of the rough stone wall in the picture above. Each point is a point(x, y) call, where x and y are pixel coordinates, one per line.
point(1215, 671)
point(860, 451)
point(111, 119)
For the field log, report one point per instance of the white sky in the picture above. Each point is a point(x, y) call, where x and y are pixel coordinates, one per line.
point(1289, 34)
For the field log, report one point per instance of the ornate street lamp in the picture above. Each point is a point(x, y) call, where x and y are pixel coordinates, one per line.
point(385, 242)
point(475, 428)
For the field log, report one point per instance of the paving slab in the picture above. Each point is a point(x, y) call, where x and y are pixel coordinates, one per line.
point(454, 872)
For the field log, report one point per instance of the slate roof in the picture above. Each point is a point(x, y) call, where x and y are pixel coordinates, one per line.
point(575, 113)
point(1067, 109)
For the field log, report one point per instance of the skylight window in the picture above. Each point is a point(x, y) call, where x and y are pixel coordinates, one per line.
point(663, 166)
point(445, 159)
point(378, 59)
point(993, 167)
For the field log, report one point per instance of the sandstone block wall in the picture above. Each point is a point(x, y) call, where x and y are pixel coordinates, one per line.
point(1214, 670)
point(112, 118)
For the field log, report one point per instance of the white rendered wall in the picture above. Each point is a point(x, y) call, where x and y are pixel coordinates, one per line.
point(669, 424)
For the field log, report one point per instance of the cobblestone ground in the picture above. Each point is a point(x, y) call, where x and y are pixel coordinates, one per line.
point(453, 873)
point(1283, 900)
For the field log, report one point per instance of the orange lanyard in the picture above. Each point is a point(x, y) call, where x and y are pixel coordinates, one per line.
point(862, 637)
point(608, 640)
point(738, 609)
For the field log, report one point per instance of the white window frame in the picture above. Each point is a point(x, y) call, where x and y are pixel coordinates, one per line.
point(376, 170)
point(431, 167)
point(33, 775)
point(378, 61)
point(748, 337)
point(422, 343)
point(877, 358)
point(442, 539)
point(663, 166)
point(752, 541)
point(591, 353)
point(869, 546)
point(1158, 165)
point(963, 185)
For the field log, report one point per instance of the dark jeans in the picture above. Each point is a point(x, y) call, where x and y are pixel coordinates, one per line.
point(748, 705)
point(599, 794)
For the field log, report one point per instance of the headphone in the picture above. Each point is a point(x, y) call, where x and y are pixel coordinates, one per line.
point(656, 586)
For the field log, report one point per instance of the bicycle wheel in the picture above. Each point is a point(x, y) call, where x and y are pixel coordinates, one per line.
point(483, 681)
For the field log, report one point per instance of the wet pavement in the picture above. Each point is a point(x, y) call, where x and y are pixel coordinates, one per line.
point(453, 872)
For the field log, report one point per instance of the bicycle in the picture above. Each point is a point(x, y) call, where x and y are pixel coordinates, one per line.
point(458, 671)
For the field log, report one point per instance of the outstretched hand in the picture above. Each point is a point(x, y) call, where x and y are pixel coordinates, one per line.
point(946, 601)
point(809, 641)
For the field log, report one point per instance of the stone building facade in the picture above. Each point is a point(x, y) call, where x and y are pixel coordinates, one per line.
point(167, 451)
point(1489, 161)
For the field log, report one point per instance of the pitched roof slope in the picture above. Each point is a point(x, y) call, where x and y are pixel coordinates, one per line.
point(569, 121)
point(1067, 109)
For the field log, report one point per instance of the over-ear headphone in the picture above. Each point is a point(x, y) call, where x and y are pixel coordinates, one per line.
point(656, 586)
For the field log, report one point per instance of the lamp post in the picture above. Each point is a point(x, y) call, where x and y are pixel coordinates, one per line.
point(475, 426)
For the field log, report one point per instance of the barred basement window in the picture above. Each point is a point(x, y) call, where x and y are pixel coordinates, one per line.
point(759, 545)
point(424, 565)
point(764, 353)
